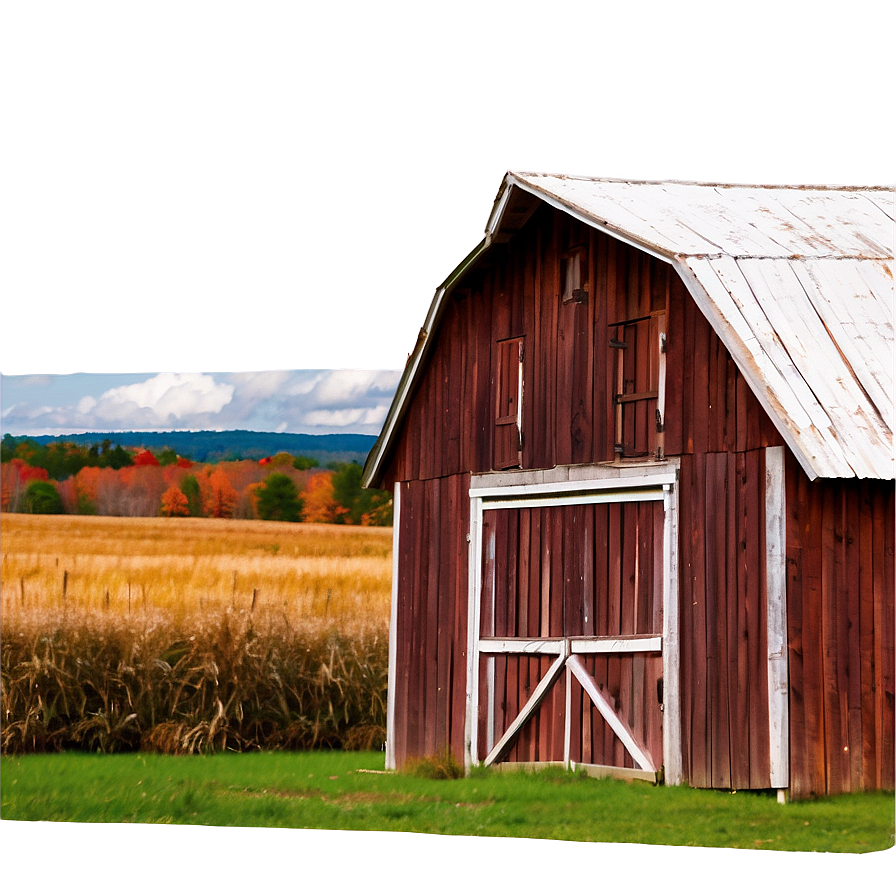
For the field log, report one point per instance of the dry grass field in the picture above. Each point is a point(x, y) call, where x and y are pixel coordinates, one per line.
point(185, 635)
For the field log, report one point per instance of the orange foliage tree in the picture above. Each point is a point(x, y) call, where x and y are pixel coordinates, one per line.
point(174, 503)
point(219, 497)
point(320, 504)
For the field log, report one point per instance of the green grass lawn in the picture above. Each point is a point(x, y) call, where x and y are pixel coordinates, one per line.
point(343, 791)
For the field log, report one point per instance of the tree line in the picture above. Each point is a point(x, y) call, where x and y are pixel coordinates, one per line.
point(114, 481)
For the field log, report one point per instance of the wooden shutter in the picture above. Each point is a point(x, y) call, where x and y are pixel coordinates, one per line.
point(508, 403)
point(638, 423)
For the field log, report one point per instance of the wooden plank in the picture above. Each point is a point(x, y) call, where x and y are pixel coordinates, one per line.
point(392, 679)
point(629, 563)
point(776, 617)
point(721, 563)
point(471, 748)
point(444, 631)
point(853, 633)
point(587, 585)
point(459, 509)
point(795, 497)
point(430, 621)
point(413, 740)
point(831, 578)
point(757, 619)
point(888, 630)
point(814, 647)
point(870, 766)
point(522, 574)
point(557, 699)
point(701, 753)
point(671, 740)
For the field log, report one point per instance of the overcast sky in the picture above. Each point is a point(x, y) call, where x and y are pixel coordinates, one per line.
point(282, 186)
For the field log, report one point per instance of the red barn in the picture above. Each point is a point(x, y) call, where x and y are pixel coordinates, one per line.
point(642, 460)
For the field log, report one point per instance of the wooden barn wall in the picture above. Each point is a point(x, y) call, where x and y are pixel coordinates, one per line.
point(430, 697)
point(840, 545)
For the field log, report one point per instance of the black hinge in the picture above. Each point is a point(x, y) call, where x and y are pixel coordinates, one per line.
point(659, 420)
point(615, 343)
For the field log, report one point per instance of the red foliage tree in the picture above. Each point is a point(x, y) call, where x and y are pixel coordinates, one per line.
point(145, 458)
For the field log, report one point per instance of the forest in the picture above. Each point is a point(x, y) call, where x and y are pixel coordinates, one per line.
point(110, 480)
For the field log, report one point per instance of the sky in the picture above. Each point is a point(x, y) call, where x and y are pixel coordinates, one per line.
point(303, 401)
point(269, 191)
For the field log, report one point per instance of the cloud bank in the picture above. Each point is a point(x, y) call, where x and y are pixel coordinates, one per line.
point(304, 401)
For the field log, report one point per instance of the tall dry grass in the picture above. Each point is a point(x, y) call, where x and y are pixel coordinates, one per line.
point(191, 635)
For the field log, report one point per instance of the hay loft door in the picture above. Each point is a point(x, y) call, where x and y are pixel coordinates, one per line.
point(573, 653)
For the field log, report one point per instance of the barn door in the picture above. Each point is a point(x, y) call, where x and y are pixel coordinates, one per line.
point(569, 658)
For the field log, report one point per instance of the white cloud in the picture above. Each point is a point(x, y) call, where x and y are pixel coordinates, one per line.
point(260, 385)
point(167, 397)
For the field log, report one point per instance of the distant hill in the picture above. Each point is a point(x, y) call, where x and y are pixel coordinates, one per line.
point(238, 444)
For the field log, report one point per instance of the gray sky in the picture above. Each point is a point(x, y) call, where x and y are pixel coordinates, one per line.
point(195, 186)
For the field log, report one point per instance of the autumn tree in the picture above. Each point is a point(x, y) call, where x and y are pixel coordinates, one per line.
point(174, 503)
point(219, 496)
point(320, 505)
point(278, 499)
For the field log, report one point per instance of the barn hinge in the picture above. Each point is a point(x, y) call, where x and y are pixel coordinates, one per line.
point(615, 343)
point(663, 343)
point(659, 420)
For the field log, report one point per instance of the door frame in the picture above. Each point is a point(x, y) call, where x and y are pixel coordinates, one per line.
point(574, 485)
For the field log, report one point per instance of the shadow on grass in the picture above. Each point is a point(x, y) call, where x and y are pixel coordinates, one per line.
point(150, 859)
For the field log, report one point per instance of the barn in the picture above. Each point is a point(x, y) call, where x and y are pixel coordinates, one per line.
point(642, 462)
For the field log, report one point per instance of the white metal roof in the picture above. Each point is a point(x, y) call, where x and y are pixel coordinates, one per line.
point(796, 281)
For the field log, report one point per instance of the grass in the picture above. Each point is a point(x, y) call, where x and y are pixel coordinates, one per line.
point(348, 791)
point(186, 636)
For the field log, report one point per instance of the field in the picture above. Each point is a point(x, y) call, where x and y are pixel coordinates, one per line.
point(188, 635)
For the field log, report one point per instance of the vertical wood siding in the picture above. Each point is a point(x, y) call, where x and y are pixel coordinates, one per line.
point(840, 546)
point(840, 591)
point(431, 620)
point(724, 674)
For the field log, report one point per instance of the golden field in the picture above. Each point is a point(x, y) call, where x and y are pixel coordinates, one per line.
point(191, 634)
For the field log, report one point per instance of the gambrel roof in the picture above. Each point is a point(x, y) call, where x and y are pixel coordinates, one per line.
point(796, 280)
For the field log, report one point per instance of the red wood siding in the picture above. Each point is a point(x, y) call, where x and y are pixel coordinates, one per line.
point(840, 545)
point(724, 673)
point(430, 697)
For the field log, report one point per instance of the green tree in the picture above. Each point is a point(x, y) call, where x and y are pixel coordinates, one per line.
point(166, 457)
point(189, 485)
point(7, 448)
point(360, 506)
point(42, 497)
point(305, 463)
point(278, 499)
point(117, 458)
